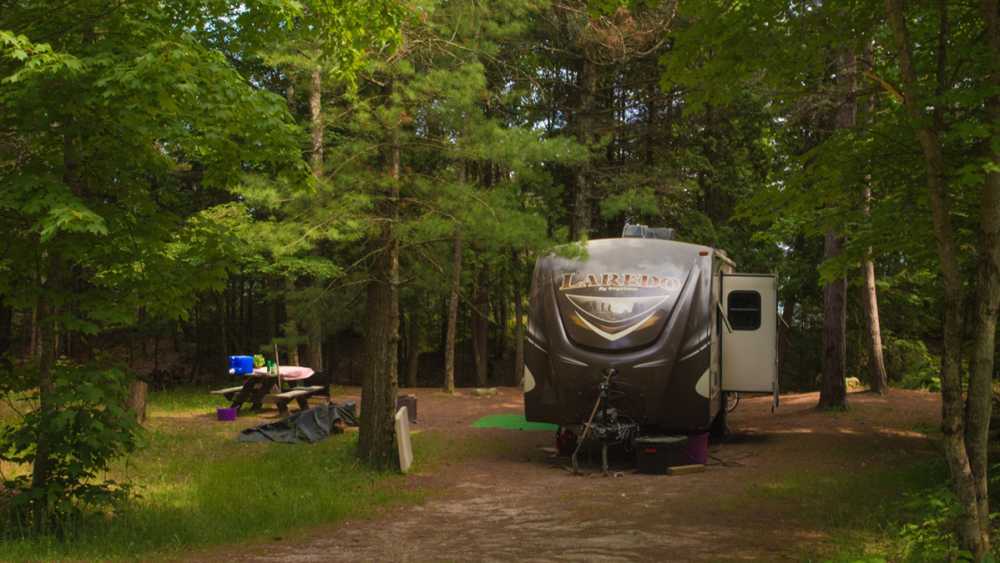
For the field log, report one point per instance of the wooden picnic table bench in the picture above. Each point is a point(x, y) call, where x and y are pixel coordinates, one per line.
point(260, 387)
point(228, 392)
point(298, 394)
point(254, 389)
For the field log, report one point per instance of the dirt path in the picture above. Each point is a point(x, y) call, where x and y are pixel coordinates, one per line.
point(516, 502)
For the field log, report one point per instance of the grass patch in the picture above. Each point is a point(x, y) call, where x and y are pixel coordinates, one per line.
point(199, 487)
point(184, 399)
point(512, 422)
point(897, 513)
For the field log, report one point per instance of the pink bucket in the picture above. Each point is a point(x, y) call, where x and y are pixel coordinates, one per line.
point(697, 448)
point(225, 413)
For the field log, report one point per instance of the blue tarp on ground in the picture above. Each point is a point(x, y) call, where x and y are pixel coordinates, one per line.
point(308, 426)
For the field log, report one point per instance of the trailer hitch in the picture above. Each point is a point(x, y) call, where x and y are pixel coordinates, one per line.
point(609, 430)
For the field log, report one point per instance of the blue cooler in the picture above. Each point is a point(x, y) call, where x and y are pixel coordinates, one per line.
point(241, 365)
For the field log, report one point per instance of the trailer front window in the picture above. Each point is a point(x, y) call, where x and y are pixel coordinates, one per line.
point(743, 310)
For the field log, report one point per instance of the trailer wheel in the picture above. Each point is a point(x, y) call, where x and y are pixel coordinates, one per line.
point(732, 401)
point(565, 441)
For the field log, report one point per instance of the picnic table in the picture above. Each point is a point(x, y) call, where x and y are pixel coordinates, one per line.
point(261, 386)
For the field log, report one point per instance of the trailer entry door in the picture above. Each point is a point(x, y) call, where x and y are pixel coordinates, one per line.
point(750, 338)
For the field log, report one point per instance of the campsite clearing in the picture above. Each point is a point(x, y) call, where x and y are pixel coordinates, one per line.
point(796, 484)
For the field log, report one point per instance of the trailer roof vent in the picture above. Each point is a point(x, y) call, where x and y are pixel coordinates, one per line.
point(642, 231)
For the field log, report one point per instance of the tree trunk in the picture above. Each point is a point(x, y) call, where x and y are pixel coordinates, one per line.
point(270, 312)
point(223, 324)
point(501, 309)
point(518, 329)
point(833, 391)
point(316, 121)
point(33, 339)
point(314, 335)
point(136, 400)
point(291, 328)
point(412, 352)
point(312, 322)
point(952, 406)
point(456, 285)
point(6, 329)
point(250, 324)
point(156, 353)
point(292, 349)
point(376, 438)
point(649, 138)
point(330, 367)
point(480, 330)
point(979, 399)
point(41, 468)
point(44, 322)
point(442, 340)
point(876, 361)
point(980, 394)
point(580, 224)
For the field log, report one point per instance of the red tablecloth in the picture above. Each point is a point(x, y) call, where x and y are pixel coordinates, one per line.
point(289, 373)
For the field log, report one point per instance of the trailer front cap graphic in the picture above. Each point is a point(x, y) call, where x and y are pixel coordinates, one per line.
point(615, 304)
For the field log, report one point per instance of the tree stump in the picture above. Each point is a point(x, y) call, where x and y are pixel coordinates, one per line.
point(136, 401)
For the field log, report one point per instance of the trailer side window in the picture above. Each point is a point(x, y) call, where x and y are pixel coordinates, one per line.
point(743, 310)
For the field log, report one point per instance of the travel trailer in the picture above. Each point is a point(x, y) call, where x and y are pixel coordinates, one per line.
point(644, 335)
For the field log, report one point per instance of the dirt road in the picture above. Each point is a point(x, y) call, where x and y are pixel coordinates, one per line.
point(515, 502)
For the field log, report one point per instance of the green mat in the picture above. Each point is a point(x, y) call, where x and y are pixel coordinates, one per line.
point(511, 422)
